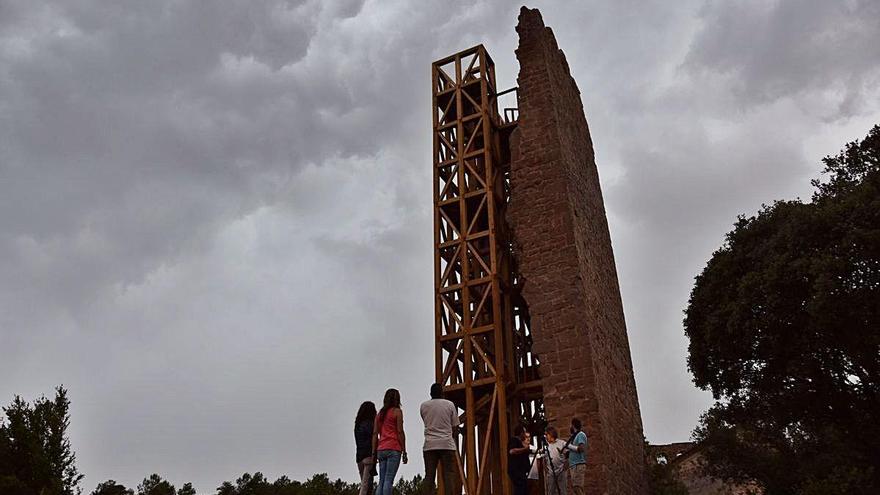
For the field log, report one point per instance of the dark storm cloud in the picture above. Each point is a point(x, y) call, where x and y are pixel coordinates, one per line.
point(213, 212)
point(779, 49)
point(210, 211)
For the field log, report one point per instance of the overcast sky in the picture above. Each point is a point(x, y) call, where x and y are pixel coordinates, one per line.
point(215, 216)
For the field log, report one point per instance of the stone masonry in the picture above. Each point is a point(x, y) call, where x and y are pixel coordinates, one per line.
point(563, 249)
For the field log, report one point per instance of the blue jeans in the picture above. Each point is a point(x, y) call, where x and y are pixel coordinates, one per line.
point(389, 461)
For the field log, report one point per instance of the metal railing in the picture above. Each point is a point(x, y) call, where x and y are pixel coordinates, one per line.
point(509, 114)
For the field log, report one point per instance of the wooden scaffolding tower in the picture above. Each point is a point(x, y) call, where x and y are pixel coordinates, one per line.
point(483, 342)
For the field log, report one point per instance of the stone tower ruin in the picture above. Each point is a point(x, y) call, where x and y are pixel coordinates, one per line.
point(529, 325)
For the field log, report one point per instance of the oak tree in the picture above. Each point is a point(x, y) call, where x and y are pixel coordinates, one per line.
point(784, 329)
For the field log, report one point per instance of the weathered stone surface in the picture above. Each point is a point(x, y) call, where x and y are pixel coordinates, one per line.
point(564, 252)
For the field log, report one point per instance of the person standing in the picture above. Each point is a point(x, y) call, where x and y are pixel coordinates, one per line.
point(554, 465)
point(440, 417)
point(389, 441)
point(577, 459)
point(518, 460)
point(363, 439)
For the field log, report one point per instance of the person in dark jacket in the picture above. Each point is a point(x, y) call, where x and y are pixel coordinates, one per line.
point(363, 439)
point(518, 463)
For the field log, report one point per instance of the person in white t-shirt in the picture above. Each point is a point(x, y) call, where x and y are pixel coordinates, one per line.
point(555, 479)
point(441, 422)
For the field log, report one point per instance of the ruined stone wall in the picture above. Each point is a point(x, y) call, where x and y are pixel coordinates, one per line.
point(564, 253)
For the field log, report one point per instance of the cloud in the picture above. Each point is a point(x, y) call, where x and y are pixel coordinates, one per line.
point(772, 50)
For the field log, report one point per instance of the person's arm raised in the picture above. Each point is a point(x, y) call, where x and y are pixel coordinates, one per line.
point(525, 446)
point(578, 446)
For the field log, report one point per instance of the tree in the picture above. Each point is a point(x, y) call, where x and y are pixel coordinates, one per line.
point(247, 485)
point(320, 484)
point(155, 485)
point(284, 486)
point(35, 452)
point(186, 489)
point(662, 480)
point(783, 327)
point(414, 486)
point(257, 484)
point(110, 487)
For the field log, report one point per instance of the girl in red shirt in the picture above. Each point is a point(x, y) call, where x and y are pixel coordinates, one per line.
point(389, 441)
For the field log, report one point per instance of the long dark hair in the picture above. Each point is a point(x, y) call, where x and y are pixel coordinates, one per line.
point(392, 400)
point(367, 412)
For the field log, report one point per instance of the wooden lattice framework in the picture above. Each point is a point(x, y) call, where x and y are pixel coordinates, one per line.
point(483, 342)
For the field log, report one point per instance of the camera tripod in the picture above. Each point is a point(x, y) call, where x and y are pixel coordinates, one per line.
point(545, 450)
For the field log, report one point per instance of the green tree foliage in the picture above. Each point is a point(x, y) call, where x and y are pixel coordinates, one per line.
point(784, 329)
point(663, 481)
point(155, 485)
point(110, 487)
point(409, 487)
point(152, 485)
point(662, 478)
point(319, 484)
point(35, 453)
point(256, 485)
